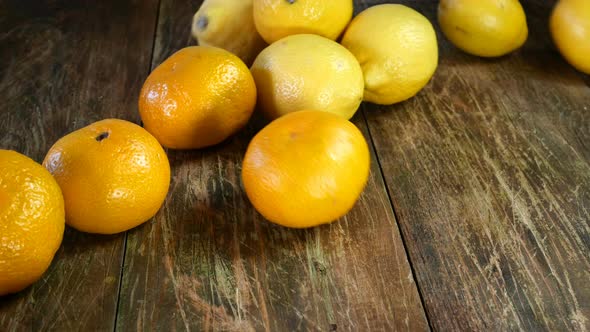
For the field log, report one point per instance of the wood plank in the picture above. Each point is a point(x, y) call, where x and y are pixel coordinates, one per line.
point(210, 262)
point(488, 169)
point(63, 65)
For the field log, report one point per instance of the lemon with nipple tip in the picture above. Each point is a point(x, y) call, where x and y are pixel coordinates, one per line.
point(397, 49)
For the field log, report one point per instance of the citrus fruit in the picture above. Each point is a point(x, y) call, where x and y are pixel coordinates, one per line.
point(228, 24)
point(276, 19)
point(306, 168)
point(570, 28)
point(31, 221)
point(197, 97)
point(486, 28)
point(307, 72)
point(396, 47)
point(113, 174)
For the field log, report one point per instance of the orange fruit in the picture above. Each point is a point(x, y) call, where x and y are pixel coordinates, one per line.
point(31, 221)
point(198, 97)
point(113, 174)
point(306, 168)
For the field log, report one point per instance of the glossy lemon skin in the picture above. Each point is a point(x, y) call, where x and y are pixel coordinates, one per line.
point(307, 72)
point(276, 19)
point(570, 29)
point(486, 28)
point(112, 184)
point(198, 97)
point(397, 49)
point(306, 168)
point(228, 24)
point(32, 221)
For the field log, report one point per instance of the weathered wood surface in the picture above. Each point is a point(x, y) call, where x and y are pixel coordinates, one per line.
point(210, 262)
point(488, 170)
point(63, 65)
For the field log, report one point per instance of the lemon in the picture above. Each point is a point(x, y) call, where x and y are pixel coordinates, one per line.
point(228, 24)
point(307, 72)
point(486, 28)
point(396, 47)
point(570, 29)
point(276, 19)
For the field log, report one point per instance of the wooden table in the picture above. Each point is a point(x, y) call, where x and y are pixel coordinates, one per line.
point(475, 217)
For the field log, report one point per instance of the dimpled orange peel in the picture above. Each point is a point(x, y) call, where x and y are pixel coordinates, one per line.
point(306, 168)
point(197, 97)
point(113, 174)
point(31, 221)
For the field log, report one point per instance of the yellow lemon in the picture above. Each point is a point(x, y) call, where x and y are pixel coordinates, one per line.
point(570, 28)
point(307, 72)
point(487, 28)
point(276, 19)
point(228, 24)
point(396, 47)
point(197, 97)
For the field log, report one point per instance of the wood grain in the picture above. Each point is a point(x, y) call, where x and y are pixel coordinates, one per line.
point(210, 262)
point(63, 65)
point(489, 172)
point(488, 169)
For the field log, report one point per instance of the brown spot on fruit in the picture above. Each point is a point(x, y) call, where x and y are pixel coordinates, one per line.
point(102, 136)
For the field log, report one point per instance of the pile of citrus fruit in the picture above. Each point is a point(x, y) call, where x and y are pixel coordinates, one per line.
point(311, 66)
